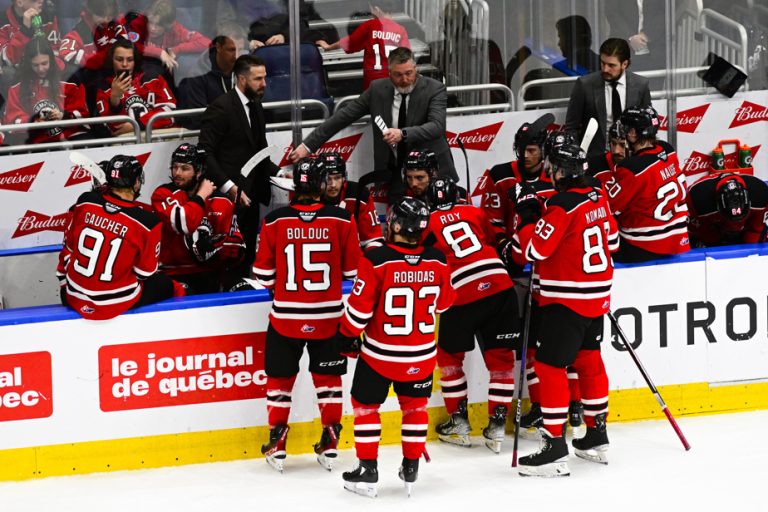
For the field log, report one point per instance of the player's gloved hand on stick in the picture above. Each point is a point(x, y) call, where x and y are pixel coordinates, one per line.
point(526, 203)
point(203, 243)
point(348, 346)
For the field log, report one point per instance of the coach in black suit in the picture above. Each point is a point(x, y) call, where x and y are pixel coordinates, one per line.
point(233, 130)
point(423, 115)
point(597, 94)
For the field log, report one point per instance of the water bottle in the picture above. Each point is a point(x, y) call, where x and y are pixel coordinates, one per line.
point(37, 26)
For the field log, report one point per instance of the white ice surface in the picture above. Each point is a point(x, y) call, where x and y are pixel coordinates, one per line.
point(648, 470)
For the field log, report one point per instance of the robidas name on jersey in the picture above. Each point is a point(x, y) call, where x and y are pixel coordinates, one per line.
point(307, 233)
point(413, 276)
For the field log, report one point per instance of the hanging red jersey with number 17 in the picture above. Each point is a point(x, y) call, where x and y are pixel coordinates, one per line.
point(304, 253)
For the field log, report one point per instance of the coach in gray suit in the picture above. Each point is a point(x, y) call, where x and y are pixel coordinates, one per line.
point(424, 126)
point(596, 94)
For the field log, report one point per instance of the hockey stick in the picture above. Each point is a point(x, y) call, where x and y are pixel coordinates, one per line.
point(379, 121)
point(97, 173)
point(521, 379)
point(649, 382)
point(466, 163)
point(251, 164)
point(589, 134)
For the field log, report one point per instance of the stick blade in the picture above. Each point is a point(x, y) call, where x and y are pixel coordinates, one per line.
point(97, 173)
point(589, 134)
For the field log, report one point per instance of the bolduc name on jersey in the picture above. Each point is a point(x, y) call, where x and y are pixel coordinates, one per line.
point(106, 224)
point(386, 35)
point(595, 214)
point(307, 233)
point(414, 276)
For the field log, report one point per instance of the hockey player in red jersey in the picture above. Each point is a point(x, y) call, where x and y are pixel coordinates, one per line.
point(494, 185)
point(304, 251)
point(130, 93)
point(400, 287)
point(648, 192)
point(728, 209)
point(485, 306)
point(111, 246)
point(201, 239)
point(375, 38)
point(602, 165)
point(347, 194)
point(570, 246)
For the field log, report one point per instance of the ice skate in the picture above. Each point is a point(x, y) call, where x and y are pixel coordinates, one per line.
point(494, 432)
point(326, 448)
point(531, 422)
point(550, 461)
point(274, 450)
point(409, 473)
point(363, 479)
point(576, 418)
point(456, 430)
point(594, 445)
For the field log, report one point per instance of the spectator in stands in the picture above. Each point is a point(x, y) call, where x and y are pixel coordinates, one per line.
point(164, 38)
point(574, 38)
point(376, 38)
point(41, 96)
point(201, 239)
point(412, 106)
point(619, 87)
point(126, 91)
point(642, 24)
point(233, 130)
point(727, 209)
point(87, 44)
point(214, 76)
point(109, 260)
point(23, 20)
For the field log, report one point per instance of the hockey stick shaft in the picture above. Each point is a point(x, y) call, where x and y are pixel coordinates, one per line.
point(521, 378)
point(466, 163)
point(648, 381)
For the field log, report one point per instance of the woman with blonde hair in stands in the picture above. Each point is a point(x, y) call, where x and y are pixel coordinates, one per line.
point(40, 95)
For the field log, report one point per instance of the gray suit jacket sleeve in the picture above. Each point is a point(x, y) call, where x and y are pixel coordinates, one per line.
point(342, 118)
point(434, 128)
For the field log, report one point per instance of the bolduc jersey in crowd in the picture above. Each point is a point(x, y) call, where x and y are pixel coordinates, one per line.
point(571, 246)
point(110, 245)
point(314, 247)
point(396, 296)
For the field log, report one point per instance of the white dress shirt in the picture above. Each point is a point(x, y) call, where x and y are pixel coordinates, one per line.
point(622, 88)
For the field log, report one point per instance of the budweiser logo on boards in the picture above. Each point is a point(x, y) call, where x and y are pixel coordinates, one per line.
point(21, 179)
point(687, 120)
point(79, 175)
point(34, 222)
point(749, 113)
point(344, 146)
point(697, 163)
point(479, 139)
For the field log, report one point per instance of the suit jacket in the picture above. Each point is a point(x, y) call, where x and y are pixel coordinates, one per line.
point(425, 121)
point(228, 141)
point(588, 100)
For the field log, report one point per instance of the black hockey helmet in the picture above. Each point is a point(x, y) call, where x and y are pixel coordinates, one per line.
point(571, 160)
point(732, 199)
point(615, 132)
point(123, 170)
point(308, 177)
point(557, 138)
point(441, 194)
point(645, 121)
point(423, 159)
point(332, 163)
point(524, 137)
point(189, 154)
point(411, 214)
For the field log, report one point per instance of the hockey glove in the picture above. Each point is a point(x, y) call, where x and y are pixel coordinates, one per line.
point(526, 203)
point(347, 346)
point(203, 243)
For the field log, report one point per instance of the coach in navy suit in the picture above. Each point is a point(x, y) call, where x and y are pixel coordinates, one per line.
point(593, 95)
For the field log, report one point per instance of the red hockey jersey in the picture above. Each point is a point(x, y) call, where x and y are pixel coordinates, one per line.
point(368, 225)
point(110, 245)
point(465, 235)
point(394, 300)
point(304, 252)
point(87, 45)
point(571, 246)
point(181, 215)
point(375, 38)
point(71, 102)
point(648, 195)
point(708, 227)
point(601, 166)
point(141, 101)
point(14, 36)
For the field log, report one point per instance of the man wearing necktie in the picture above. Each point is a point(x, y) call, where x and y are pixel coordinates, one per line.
point(605, 94)
point(413, 109)
point(233, 130)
